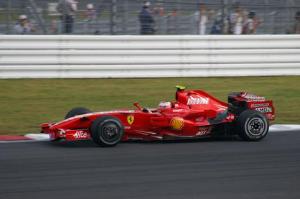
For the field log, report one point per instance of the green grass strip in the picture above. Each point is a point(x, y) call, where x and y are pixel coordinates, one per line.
point(25, 103)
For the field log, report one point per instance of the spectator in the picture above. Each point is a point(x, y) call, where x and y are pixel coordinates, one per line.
point(201, 19)
point(159, 10)
point(296, 28)
point(251, 23)
point(146, 20)
point(67, 9)
point(23, 26)
point(217, 25)
point(237, 20)
point(90, 13)
point(54, 26)
point(172, 22)
point(90, 18)
point(226, 29)
point(160, 18)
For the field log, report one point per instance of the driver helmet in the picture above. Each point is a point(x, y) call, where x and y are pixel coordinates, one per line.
point(163, 105)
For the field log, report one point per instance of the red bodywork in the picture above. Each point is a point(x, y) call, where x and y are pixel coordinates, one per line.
point(194, 114)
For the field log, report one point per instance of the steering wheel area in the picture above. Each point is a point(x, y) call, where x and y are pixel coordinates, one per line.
point(144, 109)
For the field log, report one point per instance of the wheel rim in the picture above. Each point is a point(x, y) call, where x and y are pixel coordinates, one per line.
point(256, 126)
point(110, 133)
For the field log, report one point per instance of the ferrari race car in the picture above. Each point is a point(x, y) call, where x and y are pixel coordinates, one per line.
point(194, 114)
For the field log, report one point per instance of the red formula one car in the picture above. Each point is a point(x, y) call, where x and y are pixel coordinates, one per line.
point(193, 114)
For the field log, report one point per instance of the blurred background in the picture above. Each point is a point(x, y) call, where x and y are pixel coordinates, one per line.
point(132, 17)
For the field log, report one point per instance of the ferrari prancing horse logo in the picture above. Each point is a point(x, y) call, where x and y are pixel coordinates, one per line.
point(130, 119)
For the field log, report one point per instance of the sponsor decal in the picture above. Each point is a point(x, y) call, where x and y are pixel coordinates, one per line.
point(264, 109)
point(130, 119)
point(252, 97)
point(61, 133)
point(230, 117)
point(197, 100)
point(80, 135)
point(177, 123)
point(203, 131)
point(221, 108)
point(259, 105)
point(178, 110)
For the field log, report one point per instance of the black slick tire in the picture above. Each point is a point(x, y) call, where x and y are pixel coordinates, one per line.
point(107, 131)
point(77, 111)
point(252, 125)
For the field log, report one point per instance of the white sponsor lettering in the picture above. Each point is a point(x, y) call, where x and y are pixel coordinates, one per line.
point(264, 109)
point(260, 105)
point(80, 134)
point(203, 131)
point(178, 110)
point(197, 100)
point(252, 97)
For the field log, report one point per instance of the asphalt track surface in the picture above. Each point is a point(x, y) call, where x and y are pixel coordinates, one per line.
point(204, 169)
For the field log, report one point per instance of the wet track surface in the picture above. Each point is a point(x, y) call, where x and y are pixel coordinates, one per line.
point(202, 169)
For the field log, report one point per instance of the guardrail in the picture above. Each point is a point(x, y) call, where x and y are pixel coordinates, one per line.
point(71, 56)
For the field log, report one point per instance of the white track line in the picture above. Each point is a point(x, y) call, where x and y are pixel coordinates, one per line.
point(38, 136)
point(284, 127)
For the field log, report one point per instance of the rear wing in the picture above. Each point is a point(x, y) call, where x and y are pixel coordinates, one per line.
point(240, 101)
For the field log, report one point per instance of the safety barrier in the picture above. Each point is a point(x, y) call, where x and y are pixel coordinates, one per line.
point(74, 56)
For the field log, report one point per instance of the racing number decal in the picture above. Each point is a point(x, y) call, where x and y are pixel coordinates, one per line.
point(130, 119)
point(177, 123)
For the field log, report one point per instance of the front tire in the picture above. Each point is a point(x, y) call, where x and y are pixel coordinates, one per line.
point(77, 111)
point(107, 131)
point(252, 125)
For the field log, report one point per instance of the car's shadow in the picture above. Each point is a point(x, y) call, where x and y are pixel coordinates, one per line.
point(90, 143)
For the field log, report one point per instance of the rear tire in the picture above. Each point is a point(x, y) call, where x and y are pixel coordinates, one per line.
point(77, 111)
point(252, 125)
point(107, 131)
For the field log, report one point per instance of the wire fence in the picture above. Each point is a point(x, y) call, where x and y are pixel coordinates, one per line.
point(131, 17)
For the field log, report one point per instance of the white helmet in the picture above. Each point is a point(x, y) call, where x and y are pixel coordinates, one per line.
point(164, 105)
